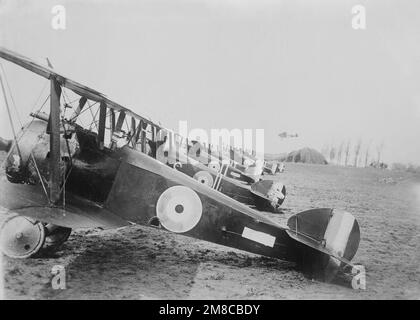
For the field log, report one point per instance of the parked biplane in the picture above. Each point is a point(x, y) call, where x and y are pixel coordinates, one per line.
point(250, 160)
point(263, 195)
point(232, 161)
point(64, 173)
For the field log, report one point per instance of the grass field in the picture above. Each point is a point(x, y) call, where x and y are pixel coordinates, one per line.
point(143, 263)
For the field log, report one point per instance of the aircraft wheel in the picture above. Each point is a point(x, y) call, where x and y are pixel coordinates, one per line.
point(56, 236)
point(21, 237)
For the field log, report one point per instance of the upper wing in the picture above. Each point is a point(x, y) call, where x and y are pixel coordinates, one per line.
point(72, 85)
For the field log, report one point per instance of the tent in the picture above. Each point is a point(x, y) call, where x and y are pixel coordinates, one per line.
point(306, 155)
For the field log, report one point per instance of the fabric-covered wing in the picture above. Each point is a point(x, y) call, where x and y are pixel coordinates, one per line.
point(72, 85)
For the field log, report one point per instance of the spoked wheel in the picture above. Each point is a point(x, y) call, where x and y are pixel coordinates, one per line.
point(56, 236)
point(21, 237)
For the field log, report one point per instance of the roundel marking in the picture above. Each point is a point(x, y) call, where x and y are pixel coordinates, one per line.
point(214, 165)
point(179, 209)
point(204, 177)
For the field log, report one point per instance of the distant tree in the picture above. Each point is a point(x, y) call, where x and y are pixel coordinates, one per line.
point(332, 153)
point(367, 154)
point(357, 151)
point(339, 152)
point(413, 168)
point(347, 152)
point(325, 151)
point(379, 149)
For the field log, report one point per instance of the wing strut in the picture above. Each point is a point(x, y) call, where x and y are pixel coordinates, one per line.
point(79, 109)
point(55, 155)
point(102, 122)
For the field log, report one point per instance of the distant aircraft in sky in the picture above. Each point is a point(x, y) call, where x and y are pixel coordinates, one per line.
point(285, 135)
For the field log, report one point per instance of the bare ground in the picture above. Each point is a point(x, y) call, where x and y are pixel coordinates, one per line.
point(145, 263)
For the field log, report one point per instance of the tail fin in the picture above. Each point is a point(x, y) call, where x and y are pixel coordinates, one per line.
point(332, 235)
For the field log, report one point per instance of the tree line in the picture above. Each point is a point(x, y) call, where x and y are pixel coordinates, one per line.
point(357, 154)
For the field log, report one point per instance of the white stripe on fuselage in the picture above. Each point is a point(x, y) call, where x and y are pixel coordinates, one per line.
point(258, 236)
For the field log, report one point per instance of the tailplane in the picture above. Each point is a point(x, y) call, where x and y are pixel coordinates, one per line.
point(328, 239)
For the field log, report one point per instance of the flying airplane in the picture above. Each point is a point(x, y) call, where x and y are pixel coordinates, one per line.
point(64, 173)
point(285, 135)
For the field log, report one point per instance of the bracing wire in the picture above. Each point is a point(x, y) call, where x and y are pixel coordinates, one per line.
point(10, 115)
point(13, 129)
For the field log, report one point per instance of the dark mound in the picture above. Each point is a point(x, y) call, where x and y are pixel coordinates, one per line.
point(306, 155)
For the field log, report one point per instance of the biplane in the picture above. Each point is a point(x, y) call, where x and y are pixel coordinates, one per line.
point(64, 173)
point(250, 159)
point(232, 161)
point(263, 195)
point(220, 174)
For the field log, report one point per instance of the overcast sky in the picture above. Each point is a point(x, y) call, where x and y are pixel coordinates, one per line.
point(281, 65)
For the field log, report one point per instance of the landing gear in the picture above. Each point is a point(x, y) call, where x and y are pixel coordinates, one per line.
point(276, 204)
point(275, 207)
point(269, 194)
point(22, 237)
point(56, 236)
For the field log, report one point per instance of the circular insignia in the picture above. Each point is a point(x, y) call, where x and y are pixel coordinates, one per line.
point(214, 165)
point(177, 165)
point(179, 209)
point(204, 177)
